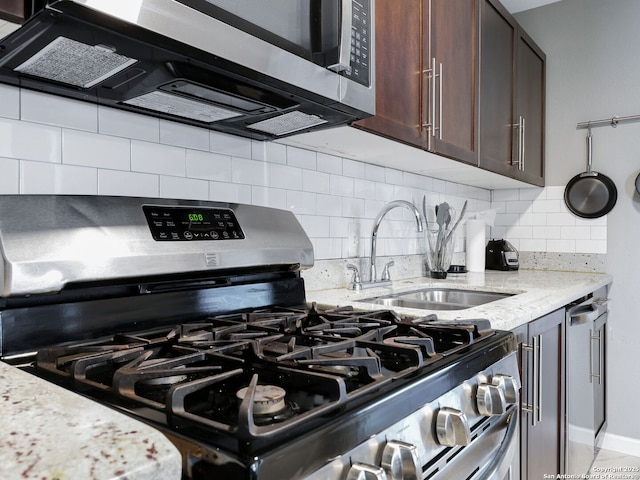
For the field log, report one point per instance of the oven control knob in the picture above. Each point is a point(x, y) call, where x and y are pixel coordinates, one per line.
point(509, 385)
point(400, 461)
point(362, 471)
point(490, 400)
point(452, 427)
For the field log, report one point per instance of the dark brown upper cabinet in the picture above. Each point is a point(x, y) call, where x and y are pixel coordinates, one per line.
point(427, 75)
point(512, 97)
point(461, 79)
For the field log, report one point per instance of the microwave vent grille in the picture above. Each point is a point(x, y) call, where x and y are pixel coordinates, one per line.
point(287, 123)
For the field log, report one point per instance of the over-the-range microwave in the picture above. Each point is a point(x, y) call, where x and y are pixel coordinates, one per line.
point(263, 69)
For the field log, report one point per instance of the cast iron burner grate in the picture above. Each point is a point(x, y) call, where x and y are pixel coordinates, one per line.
point(220, 373)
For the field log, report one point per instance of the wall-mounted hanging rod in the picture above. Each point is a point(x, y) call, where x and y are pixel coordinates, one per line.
point(611, 122)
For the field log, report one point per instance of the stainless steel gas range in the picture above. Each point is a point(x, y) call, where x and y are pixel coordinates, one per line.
point(192, 317)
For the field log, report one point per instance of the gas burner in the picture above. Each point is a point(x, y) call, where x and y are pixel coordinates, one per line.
point(268, 399)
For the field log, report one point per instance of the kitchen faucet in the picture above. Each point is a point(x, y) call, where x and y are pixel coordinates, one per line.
point(374, 230)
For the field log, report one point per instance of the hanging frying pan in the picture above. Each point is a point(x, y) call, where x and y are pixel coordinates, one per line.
point(590, 194)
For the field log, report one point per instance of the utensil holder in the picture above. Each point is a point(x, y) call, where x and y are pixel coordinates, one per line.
point(439, 246)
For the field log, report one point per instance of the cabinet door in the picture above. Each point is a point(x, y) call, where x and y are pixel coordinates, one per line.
point(454, 53)
point(401, 110)
point(545, 396)
point(497, 88)
point(530, 94)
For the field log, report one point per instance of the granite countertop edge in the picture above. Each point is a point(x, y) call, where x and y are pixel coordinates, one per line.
point(50, 433)
point(535, 293)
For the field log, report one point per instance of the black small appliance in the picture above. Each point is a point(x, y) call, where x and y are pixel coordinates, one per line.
point(501, 255)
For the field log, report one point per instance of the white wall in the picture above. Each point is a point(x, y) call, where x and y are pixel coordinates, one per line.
point(593, 72)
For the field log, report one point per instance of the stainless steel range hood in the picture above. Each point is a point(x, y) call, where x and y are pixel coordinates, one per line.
point(176, 59)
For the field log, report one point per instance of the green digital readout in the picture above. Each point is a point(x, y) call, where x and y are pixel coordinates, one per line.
point(195, 217)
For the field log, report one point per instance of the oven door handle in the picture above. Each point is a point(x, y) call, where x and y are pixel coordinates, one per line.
point(505, 463)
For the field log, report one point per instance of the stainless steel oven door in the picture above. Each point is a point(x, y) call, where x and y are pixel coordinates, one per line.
point(494, 456)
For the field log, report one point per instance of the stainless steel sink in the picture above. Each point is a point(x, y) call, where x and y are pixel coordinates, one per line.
point(438, 299)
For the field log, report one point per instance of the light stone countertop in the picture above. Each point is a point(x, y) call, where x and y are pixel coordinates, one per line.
point(49, 433)
point(536, 294)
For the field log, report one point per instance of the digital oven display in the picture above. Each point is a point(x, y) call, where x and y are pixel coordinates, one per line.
point(189, 224)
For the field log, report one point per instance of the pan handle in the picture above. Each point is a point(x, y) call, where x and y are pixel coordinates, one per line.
point(589, 147)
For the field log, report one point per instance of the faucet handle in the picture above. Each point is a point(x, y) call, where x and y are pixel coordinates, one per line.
point(386, 275)
point(356, 282)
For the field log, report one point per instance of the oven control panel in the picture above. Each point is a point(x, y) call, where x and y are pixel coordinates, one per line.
point(192, 223)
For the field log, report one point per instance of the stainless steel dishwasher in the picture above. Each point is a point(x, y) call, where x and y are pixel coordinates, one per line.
point(585, 379)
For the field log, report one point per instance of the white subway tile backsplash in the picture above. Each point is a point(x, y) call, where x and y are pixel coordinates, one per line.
point(161, 159)
point(372, 207)
point(532, 194)
point(329, 205)
point(417, 181)
point(9, 176)
point(374, 172)
point(114, 182)
point(532, 245)
point(208, 166)
point(230, 145)
point(113, 152)
point(591, 246)
point(341, 186)
point(545, 232)
point(128, 125)
point(61, 112)
point(284, 176)
point(563, 246)
point(598, 232)
point(591, 222)
point(505, 195)
point(250, 172)
point(353, 207)
point(506, 219)
point(93, 150)
point(329, 163)
point(517, 206)
point(352, 168)
point(51, 178)
point(554, 192)
point(451, 189)
point(533, 219)
point(298, 157)
point(9, 102)
point(301, 203)
point(180, 187)
point(180, 135)
point(517, 231)
point(315, 225)
point(229, 192)
point(384, 192)
point(364, 188)
point(563, 219)
point(339, 227)
point(313, 181)
point(269, 152)
point(327, 247)
point(269, 197)
point(393, 176)
point(30, 141)
point(575, 233)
